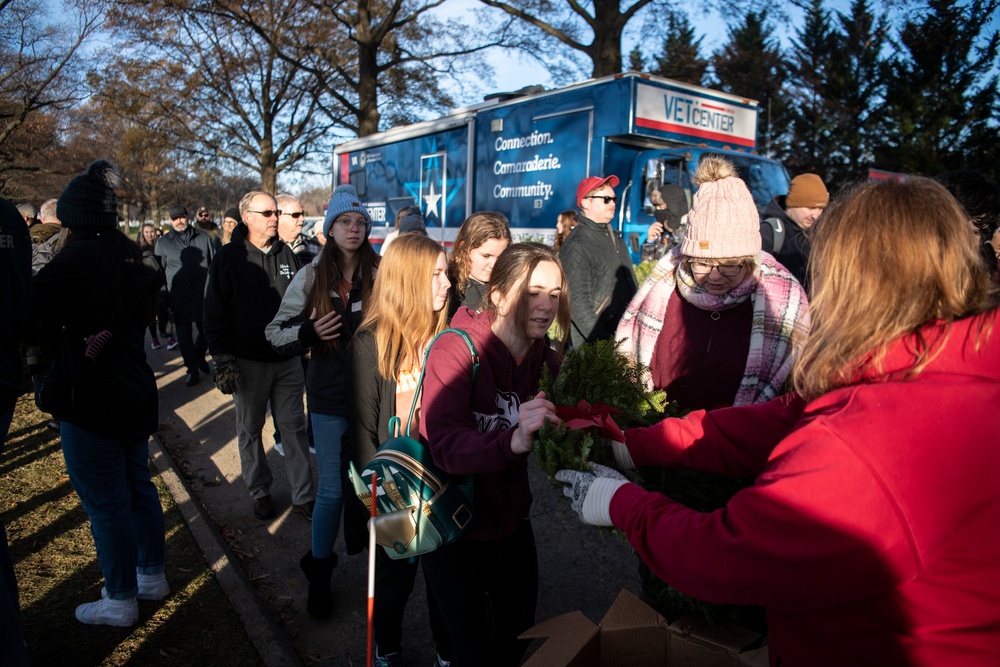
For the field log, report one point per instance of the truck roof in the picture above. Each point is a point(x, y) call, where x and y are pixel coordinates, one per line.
point(462, 115)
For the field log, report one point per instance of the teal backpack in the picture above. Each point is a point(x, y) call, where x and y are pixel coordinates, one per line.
point(418, 506)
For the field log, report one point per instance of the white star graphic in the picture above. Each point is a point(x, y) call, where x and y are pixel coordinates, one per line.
point(432, 202)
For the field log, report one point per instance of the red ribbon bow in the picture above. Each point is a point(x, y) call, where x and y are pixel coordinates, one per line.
point(585, 415)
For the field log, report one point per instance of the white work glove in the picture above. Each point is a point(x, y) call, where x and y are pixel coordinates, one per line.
point(590, 492)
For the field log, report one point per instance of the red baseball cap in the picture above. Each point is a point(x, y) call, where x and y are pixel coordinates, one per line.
point(591, 183)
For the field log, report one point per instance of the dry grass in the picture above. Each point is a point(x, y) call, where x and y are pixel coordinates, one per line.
point(57, 569)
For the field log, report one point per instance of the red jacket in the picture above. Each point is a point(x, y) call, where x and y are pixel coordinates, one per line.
point(872, 533)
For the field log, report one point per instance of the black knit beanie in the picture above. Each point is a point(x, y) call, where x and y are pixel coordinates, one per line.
point(89, 201)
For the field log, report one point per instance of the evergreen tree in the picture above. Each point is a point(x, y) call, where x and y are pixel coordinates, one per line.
point(679, 59)
point(636, 62)
point(854, 81)
point(751, 65)
point(812, 110)
point(941, 91)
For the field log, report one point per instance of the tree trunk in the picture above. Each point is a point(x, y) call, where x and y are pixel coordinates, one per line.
point(368, 113)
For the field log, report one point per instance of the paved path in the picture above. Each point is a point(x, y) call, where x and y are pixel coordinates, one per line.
point(257, 562)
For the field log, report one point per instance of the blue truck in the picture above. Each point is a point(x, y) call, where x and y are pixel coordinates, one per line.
point(524, 153)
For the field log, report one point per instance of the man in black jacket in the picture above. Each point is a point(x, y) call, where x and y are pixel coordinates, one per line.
point(597, 264)
point(246, 283)
point(185, 253)
point(787, 219)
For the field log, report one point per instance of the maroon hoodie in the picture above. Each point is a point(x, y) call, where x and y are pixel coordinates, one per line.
point(469, 431)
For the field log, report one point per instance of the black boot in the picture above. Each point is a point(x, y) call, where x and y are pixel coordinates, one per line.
point(318, 571)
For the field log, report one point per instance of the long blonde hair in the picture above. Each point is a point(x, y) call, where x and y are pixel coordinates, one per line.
point(401, 314)
point(886, 259)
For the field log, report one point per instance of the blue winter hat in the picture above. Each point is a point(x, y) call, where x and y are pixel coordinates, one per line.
point(344, 199)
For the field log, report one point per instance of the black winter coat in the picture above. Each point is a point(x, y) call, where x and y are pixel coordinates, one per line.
point(601, 281)
point(794, 253)
point(116, 391)
point(244, 291)
point(185, 259)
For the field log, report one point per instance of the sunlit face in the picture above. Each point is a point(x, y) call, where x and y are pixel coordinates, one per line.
point(261, 226)
point(543, 294)
point(348, 230)
point(440, 283)
point(290, 221)
point(596, 209)
point(483, 258)
point(229, 224)
point(803, 216)
point(179, 224)
point(708, 274)
point(149, 234)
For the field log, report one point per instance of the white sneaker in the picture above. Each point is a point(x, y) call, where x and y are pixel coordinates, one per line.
point(119, 613)
point(278, 448)
point(151, 587)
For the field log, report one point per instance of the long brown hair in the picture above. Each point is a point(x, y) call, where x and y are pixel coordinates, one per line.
point(516, 263)
point(569, 221)
point(477, 229)
point(401, 315)
point(329, 271)
point(886, 259)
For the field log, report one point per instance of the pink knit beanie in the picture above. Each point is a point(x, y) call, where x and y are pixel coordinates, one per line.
point(723, 221)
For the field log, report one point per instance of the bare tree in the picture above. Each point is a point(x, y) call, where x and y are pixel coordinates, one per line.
point(592, 29)
point(40, 75)
point(220, 89)
point(376, 59)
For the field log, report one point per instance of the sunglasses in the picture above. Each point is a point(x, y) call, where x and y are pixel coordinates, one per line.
point(268, 213)
point(607, 199)
point(296, 214)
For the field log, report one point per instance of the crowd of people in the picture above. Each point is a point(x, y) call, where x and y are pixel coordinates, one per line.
point(842, 351)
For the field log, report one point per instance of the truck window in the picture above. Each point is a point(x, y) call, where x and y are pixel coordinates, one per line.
point(664, 171)
point(360, 182)
point(764, 179)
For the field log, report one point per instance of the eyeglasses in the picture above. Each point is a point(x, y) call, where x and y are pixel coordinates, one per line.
point(347, 223)
point(266, 214)
point(607, 199)
point(703, 269)
point(296, 214)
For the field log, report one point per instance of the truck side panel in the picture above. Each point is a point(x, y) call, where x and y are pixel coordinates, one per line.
point(430, 171)
point(676, 114)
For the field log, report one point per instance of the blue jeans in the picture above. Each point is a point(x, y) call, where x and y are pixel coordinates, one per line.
point(328, 432)
point(112, 479)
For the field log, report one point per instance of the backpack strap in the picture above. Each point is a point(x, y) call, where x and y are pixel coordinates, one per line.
point(779, 234)
point(420, 380)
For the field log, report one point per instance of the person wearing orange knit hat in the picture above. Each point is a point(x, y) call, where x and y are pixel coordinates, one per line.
point(786, 219)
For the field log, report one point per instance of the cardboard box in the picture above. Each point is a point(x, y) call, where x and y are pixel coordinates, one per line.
point(632, 634)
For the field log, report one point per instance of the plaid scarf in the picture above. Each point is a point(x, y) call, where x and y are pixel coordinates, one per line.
point(780, 321)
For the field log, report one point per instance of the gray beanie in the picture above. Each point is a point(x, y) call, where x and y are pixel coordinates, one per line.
point(344, 199)
point(89, 200)
point(412, 222)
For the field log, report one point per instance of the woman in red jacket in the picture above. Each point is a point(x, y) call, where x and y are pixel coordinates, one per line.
point(486, 583)
point(870, 535)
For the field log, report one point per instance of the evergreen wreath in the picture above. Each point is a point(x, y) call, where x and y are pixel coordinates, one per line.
point(601, 381)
